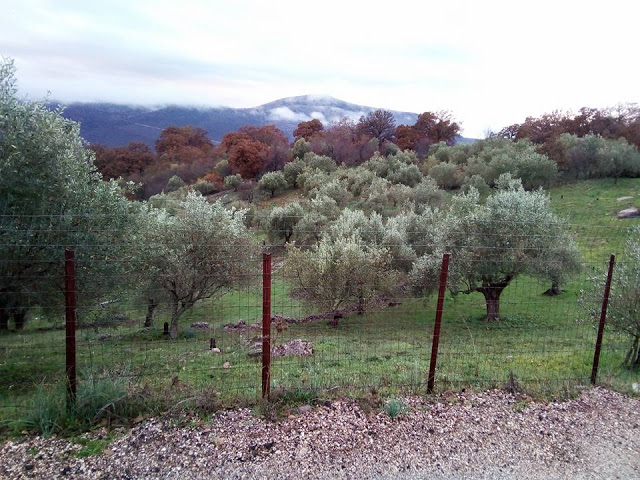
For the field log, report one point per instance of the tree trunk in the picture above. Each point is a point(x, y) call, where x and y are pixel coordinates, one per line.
point(554, 290)
point(151, 306)
point(173, 326)
point(492, 298)
point(360, 305)
point(4, 319)
point(19, 319)
point(632, 358)
point(334, 321)
point(175, 315)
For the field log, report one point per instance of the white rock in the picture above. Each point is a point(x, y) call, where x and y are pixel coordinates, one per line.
point(629, 213)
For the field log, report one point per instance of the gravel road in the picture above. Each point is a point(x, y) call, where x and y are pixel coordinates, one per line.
point(460, 436)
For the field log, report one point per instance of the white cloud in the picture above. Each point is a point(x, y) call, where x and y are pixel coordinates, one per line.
point(319, 116)
point(285, 113)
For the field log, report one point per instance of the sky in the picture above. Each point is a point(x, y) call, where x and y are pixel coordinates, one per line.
point(490, 63)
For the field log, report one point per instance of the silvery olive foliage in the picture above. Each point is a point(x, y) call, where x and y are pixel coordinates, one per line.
point(232, 181)
point(520, 159)
point(341, 273)
point(282, 221)
point(513, 233)
point(53, 198)
point(273, 182)
point(201, 251)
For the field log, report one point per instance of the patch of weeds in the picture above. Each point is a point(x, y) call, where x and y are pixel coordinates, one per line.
point(33, 451)
point(91, 447)
point(282, 402)
point(395, 407)
point(451, 399)
point(201, 402)
point(105, 401)
point(520, 405)
point(512, 386)
point(370, 402)
point(46, 412)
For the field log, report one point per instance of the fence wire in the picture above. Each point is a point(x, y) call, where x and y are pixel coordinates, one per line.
point(540, 344)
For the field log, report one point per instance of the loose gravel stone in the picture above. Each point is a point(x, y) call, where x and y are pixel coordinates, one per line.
point(458, 436)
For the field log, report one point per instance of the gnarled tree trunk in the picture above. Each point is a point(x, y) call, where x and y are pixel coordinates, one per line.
point(554, 290)
point(178, 308)
point(151, 306)
point(492, 298)
point(632, 358)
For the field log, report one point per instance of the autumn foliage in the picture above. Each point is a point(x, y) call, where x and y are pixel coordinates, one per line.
point(308, 129)
point(185, 144)
point(254, 150)
point(622, 121)
point(429, 129)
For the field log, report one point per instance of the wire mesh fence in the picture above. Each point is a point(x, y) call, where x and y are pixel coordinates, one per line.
point(352, 330)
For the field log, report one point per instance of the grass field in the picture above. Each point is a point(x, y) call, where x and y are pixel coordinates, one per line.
point(543, 346)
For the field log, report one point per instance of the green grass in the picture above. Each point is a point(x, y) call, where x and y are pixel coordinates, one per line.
point(395, 407)
point(91, 447)
point(544, 343)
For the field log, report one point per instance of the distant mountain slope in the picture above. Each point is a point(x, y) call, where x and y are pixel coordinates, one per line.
point(113, 124)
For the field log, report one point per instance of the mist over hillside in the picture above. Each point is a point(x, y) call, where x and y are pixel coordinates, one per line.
point(114, 124)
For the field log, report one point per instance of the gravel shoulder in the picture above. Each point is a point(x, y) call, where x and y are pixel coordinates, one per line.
point(461, 436)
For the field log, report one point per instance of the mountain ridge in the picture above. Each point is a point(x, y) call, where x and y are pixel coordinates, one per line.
point(114, 124)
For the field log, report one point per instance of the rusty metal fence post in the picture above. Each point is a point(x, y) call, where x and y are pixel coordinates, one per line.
point(603, 317)
point(444, 270)
point(266, 325)
point(70, 313)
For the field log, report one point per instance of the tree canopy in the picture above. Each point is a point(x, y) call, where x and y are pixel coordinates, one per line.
point(199, 252)
point(52, 198)
point(492, 243)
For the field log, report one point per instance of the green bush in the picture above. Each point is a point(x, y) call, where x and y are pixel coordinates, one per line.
point(232, 182)
point(204, 187)
point(395, 407)
point(446, 175)
point(174, 184)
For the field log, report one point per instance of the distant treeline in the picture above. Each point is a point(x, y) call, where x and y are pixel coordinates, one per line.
point(555, 147)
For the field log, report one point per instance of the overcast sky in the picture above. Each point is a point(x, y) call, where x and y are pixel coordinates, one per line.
point(490, 63)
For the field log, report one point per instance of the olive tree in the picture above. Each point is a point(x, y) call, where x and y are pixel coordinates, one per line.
point(514, 233)
point(320, 211)
point(447, 175)
point(52, 198)
point(292, 170)
point(273, 182)
point(232, 181)
point(341, 273)
point(198, 253)
point(282, 221)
